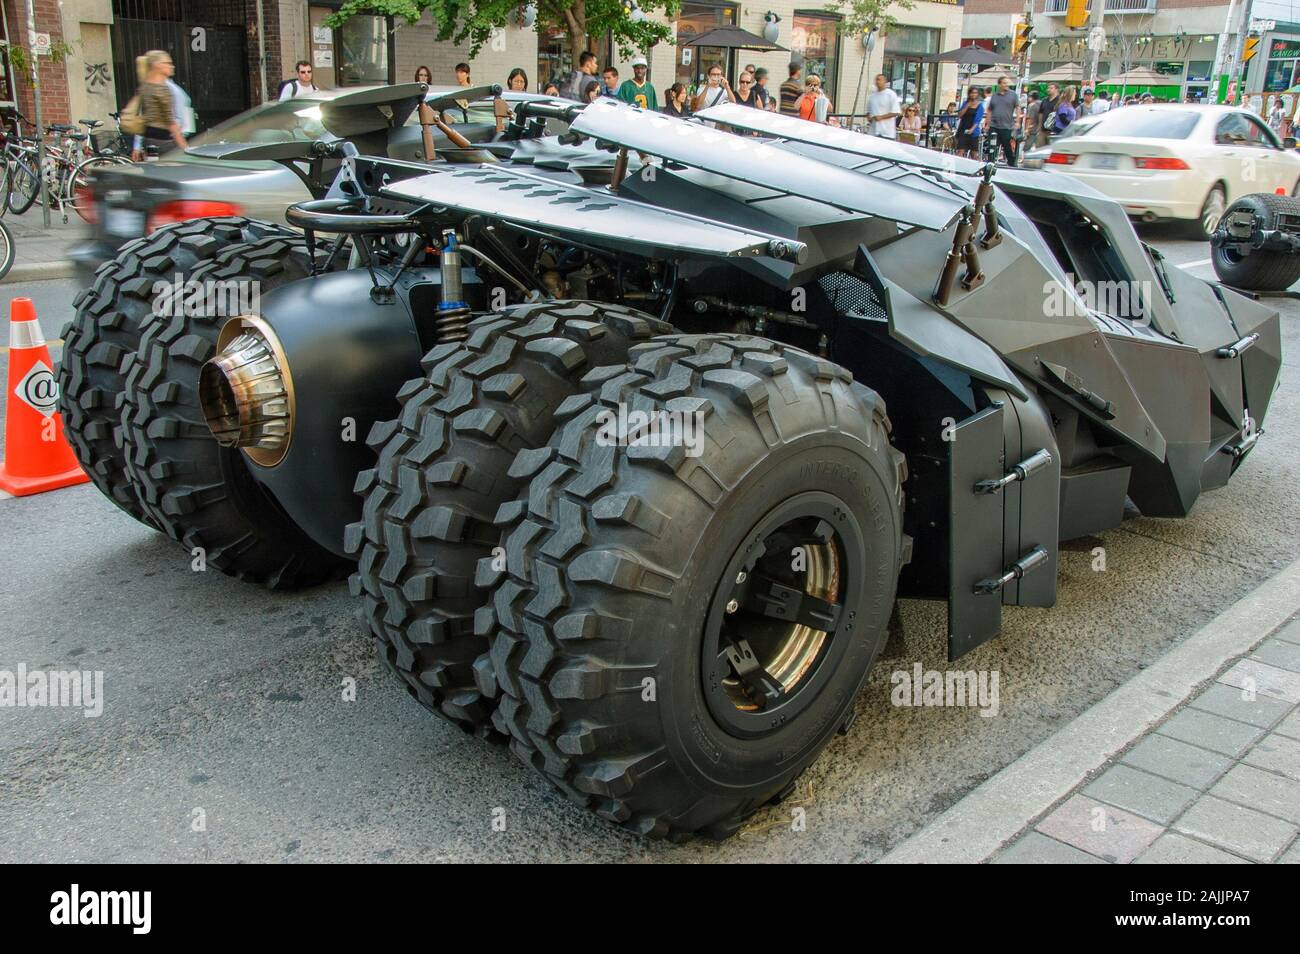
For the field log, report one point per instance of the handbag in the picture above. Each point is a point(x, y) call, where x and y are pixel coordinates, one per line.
point(131, 119)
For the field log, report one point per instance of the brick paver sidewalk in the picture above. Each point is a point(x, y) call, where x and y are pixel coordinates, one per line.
point(1217, 782)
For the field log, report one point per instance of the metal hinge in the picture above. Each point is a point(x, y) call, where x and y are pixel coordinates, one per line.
point(1243, 446)
point(1030, 561)
point(1237, 347)
point(1021, 471)
point(1075, 384)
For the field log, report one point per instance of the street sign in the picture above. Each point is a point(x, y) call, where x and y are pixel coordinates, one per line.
point(41, 44)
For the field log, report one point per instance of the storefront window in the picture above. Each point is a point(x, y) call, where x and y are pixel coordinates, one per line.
point(912, 79)
point(1282, 72)
point(694, 62)
point(554, 62)
point(815, 38)
point(363, 51)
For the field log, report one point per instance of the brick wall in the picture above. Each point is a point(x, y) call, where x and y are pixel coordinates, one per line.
point(274, 64)
point(52, 76)
point(416, 45)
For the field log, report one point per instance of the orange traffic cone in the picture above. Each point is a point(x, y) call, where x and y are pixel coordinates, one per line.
point(37, 455)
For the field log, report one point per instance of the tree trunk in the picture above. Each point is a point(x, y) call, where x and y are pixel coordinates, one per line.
point(575, 18)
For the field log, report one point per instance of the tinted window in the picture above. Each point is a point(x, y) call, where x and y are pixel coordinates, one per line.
point(1257, 134)
point(275, 122)
point(1134, 122)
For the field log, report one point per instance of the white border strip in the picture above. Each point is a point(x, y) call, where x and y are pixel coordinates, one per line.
point(1001, 807)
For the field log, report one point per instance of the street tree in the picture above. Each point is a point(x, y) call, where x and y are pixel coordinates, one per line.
point(472, 22)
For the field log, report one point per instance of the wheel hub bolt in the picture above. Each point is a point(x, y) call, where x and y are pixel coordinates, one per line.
point(741, 577)
point(733, 605)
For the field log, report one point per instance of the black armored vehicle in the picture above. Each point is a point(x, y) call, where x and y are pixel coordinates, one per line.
point(662, 417)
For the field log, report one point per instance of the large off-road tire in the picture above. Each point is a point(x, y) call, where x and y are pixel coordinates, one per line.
point(1260, 270)
point(443, 471)
point(106, 330)
point(609, 629)
point(200, 493)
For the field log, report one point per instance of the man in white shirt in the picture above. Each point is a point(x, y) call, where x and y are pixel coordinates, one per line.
point(883, 110)
point(301, 84)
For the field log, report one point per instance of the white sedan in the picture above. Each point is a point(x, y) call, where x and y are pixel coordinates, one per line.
point(1178, 161)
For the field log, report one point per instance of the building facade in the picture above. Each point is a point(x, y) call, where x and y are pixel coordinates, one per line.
point(1181, 39)
point(232, 54)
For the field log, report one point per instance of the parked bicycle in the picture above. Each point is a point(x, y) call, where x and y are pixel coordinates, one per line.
point(70, 159)
point(6, 250)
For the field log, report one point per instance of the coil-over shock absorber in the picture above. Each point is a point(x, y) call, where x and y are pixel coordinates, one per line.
point(453, 311)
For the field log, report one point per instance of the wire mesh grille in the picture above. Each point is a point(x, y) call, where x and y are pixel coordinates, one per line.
point(849, 294)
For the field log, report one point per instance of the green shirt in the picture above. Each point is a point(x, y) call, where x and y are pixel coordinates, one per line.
point(643, 96)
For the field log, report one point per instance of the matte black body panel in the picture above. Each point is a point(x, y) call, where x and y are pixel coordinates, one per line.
point(347, 358)
point(1031, 510)
point(975, 453)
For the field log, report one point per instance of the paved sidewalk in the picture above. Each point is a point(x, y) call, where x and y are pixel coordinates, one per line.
point(1194, 760)
point(1216, 783)
point(40, 253)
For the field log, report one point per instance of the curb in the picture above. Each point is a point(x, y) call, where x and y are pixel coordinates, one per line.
point(38, 272)
point(1000, 808)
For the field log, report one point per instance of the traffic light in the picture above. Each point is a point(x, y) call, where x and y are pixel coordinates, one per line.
point(1251, 48)
point(1076, 13)
point(1024, 33)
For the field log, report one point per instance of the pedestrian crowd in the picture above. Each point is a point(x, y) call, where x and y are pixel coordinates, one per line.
point(989, 122)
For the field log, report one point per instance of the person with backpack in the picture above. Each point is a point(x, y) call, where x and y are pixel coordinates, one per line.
point(300, 84)
point(1047, 128)
point(151, 114)
point(575, 86)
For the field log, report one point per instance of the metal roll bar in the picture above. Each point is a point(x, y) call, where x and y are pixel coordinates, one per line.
point(344, 216)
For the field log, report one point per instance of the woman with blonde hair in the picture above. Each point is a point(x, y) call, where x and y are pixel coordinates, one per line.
point(909, 125)
point(162, 126)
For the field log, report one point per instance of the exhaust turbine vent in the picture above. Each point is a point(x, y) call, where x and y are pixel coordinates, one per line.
point(246, 393)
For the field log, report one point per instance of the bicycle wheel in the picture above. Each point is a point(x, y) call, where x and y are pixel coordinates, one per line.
point(79, 182)
point(6, 250)
point(5, 171)
point(24, 187)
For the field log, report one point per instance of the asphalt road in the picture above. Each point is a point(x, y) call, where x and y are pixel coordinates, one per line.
point(226, 736)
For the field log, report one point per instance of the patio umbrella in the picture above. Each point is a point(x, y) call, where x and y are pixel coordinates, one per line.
point(968, 56)
point(734, 38)
point(1140, 76)
point(992, 75)
point(1065, 73)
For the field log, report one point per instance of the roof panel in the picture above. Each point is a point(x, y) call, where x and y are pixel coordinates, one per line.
point(844, 140)
point(590, 215)
point(753, 160)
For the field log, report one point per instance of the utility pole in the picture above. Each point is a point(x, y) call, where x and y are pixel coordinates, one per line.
point(1096, 42)
point(1239, 67)
point(261, 48)
point(40, 121)
point(1028, 50)
point(1222, 56)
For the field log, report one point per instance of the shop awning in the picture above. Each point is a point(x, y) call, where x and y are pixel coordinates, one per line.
point(969, 56)
point(734, 38)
